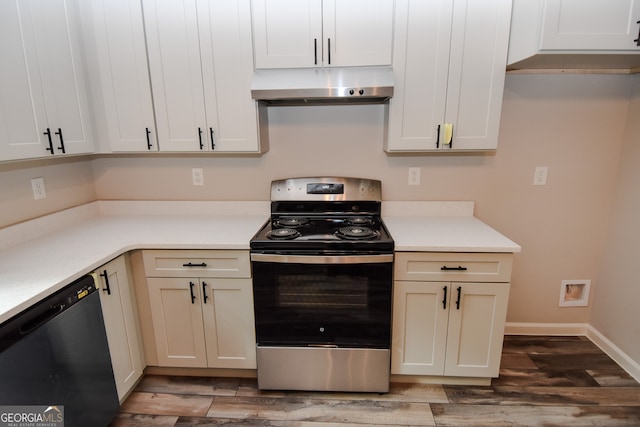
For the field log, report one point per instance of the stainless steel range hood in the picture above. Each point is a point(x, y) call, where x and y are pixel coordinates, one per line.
point(313, 86)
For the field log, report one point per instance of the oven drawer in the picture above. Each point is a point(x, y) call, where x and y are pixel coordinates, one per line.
point(197, 263)
point(447, 266)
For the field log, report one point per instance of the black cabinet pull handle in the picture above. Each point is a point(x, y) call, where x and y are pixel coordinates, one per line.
point(107, 288)
point(148, 139)
point(638, 39)
point(213, 143)
point(459, 295)
point(193, 297)
point(190, 264)
point(204, 292)
point(444, 301)
point(458, 268)
point(50, 147)
point(438, 138)
point(200, 138)
point(315, 51)
point(59, 133)
point(329, 50)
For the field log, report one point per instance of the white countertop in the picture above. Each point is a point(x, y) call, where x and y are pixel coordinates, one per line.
point(40, 266)
point(41, 256)
point(446, 234)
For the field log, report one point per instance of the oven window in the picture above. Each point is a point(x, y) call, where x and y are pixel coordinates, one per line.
point(323, 304)
point(318, 291)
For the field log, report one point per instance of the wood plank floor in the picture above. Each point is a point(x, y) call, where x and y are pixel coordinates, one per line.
point(544, 381)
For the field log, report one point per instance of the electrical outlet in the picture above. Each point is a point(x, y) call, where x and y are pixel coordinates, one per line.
point(198, 176)
point(540, 175)
point(414, 176)
point(37, 186)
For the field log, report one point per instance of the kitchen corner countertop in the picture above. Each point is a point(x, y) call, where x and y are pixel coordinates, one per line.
point(76, 242)
point(41, 256)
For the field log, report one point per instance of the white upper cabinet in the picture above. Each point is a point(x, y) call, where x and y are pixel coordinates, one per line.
point(124, 84)
point(200, 59)
point(591, 25)
point(322, 33)
point(449, 70)
point(227, 63)
point(43, 104)
point(575, 34)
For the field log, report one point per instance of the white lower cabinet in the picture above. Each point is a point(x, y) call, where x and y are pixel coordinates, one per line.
point(202, 322)
point(123, 332)
point(449, 328)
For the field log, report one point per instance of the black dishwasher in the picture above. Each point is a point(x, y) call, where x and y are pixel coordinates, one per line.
point(55, 354)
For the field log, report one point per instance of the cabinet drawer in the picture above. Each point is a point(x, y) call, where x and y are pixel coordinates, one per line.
point(196, 263)
point(445, 266)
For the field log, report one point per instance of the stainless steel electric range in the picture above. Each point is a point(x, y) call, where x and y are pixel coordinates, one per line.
point(322, 285)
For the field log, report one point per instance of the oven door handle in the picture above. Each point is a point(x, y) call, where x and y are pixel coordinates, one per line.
point(322, 259)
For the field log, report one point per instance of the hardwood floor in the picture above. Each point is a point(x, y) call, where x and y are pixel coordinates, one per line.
point(544, 381)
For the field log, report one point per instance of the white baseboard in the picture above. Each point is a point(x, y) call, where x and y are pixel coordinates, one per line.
point(578, 329)
point(571, 329)
point(620, 357)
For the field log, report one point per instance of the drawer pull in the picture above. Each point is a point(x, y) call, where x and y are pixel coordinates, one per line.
point(190, 264)
point(458, 268)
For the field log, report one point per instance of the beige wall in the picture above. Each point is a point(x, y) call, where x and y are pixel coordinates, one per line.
point(615, 310)
point(574, 124)
point(68, 182)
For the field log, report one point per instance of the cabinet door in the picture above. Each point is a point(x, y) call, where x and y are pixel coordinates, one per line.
point(314, 33)
point(476, 329)
point(357, 32)
point(479, 44)
point(124, 75)
point(456, 80)
point(42, 80)
point(227, 307)
point(227, 62)
point(57, 35)
point(23, 118)
point(590, 25)
point(287, 33)
point(419, 338)
point(420, 72)
point(177, 322)
point(176, 74)
point(123, 333)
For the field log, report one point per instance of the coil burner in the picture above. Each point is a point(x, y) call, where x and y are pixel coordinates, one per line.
point(291, 221)
point(283, 234)
point(360, 220)
point(356, 233)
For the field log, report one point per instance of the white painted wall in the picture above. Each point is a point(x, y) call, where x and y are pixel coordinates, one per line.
point(616, 311)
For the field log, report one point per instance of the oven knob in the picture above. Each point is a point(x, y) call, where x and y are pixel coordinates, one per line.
point(321, 328)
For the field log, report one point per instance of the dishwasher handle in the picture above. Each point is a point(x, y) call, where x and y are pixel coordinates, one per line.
point(41, 319)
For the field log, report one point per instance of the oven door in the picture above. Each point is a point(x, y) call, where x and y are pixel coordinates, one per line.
point(323, 301)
